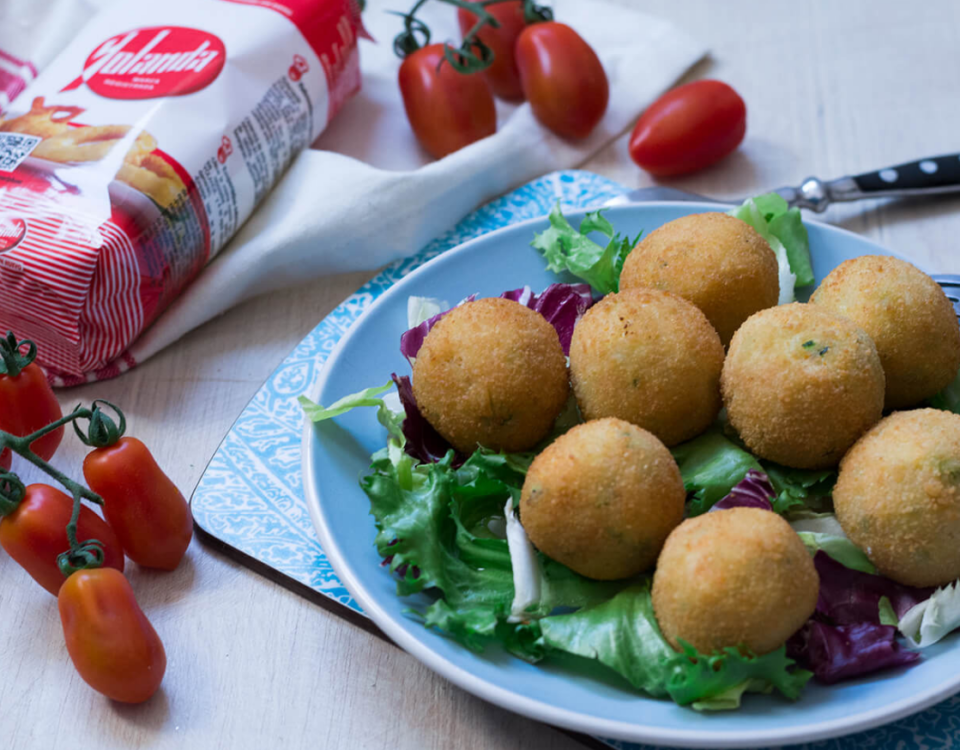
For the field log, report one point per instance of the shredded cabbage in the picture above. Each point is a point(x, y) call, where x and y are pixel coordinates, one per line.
point(421, 309)
point(526, 567)
point(929, 621)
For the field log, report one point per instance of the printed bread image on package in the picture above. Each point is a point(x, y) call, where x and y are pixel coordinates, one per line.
point(128, 164)
point(142, 168)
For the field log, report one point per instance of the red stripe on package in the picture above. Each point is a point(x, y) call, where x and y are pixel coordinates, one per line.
point(15, 74)
point(129, 163)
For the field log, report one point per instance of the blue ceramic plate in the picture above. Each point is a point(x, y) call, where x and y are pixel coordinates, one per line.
point(337, 453)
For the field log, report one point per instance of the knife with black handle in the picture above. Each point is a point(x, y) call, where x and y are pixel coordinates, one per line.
point(936, 175)
point(933, 176)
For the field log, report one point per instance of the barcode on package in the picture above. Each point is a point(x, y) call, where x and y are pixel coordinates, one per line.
point(14, 148)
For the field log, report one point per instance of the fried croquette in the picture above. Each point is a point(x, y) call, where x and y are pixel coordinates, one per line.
point(717, 262)
point(651, 358)
point(738, 577)
point(602, 498)
point(898, 496)
point(907, 315)
point(801, 384)
point(492, 373)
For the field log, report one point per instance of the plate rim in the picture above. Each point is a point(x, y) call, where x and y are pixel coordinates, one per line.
point(541, 710)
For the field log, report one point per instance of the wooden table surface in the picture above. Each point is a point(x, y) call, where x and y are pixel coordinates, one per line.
point(832, 88)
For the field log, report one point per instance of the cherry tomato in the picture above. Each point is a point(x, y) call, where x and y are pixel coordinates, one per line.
point(150, 516)
point(111, 642)
point(562, 78)
point(689, 128)
point(27, 403)
point(502, 76)
point(36, 533)
point(446, 109)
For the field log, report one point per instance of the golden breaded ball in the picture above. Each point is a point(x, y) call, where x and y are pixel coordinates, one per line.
point(907, 315)
point(651, 358)
point(602, 498)
point(717, 262)
point(737, 577)
point(898, 496)
point(801, 384)
point(492, 373)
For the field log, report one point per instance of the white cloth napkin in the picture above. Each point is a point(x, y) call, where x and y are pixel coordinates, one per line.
point(367, 194)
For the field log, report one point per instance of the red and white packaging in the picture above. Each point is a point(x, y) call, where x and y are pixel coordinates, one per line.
point(133, 158)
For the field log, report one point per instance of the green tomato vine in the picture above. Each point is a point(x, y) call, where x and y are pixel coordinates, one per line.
point(472, 56)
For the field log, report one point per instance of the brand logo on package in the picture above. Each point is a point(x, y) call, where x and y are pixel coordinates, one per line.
point(153, 62)
point(12, 232)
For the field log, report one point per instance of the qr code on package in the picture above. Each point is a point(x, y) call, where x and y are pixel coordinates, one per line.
point(14, 148)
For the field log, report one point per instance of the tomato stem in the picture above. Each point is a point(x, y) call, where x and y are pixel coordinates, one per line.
point(463, 58)
point(12, 360)
point(12, 492)
point(21, 446)
point(83, 556)
point(102, 431)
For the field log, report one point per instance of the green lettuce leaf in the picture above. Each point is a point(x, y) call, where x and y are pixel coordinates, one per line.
point(729, 700)
point(839, 548)
point(695, 677)
point(623, 635)
point(568, 249)
point(391, 420)
point(801, 489)
point(710, 466)
point(786, 224)
point(366, 397)
point(888, 615)
point(783, 229)
point(949, 398)
point(441, 528)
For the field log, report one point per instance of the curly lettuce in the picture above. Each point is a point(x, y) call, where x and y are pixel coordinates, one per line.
point(572, 250)
point(442, 529)
point(623, 634)
point(569, 249)
point(801, 489)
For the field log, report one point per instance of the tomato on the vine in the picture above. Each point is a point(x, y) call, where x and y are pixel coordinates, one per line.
point(145, 508)
point(503, 76)
point(562, 79)
point(446, 109)
point(36, 533)
point(109, 638)
point(27, 402)
point(689, 128)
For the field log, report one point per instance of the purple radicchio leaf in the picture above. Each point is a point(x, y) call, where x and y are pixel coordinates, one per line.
point(753, 491)
point(849, 596)
point(412, 339)
point(835, 653)
point(424, 443)
point(561, 304)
